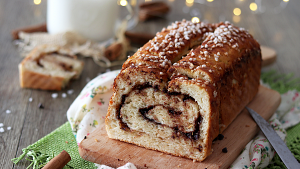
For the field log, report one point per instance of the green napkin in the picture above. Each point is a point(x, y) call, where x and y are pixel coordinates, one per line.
point(51, 145)
point(293, 143)
point(283, 83)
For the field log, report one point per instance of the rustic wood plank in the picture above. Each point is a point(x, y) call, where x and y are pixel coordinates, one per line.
point(237, 135)
point(12, 97)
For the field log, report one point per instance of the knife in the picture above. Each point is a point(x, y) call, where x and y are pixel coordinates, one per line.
point(280, 147)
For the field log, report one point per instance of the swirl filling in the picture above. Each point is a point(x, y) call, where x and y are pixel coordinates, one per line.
point(159, 113)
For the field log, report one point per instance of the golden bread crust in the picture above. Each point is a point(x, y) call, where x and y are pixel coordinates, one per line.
point(231, 59)
point(164, 49)
point(49, 67)
point(156, 87)
point(29, 79)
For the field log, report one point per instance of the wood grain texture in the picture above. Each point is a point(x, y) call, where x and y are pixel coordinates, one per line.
point(98, 148)
point(268, 55)
point(279, 31)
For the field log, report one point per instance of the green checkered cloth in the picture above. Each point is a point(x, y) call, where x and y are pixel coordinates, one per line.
point(62, 138)
point(283, 83)
point(293, 143)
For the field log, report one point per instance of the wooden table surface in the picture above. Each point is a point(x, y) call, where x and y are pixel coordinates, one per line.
point(277, 26)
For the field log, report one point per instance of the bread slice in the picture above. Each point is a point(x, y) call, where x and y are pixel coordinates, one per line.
point(49, 67)
point(179, 107)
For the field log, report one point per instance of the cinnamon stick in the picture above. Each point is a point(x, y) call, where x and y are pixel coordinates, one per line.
point(152, 10)
point(113, 51)
point(59, 161)
point(30, 29)
point(139, 38)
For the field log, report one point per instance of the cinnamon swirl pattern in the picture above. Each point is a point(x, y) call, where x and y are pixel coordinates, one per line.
point(175, 103)
point(49, 67)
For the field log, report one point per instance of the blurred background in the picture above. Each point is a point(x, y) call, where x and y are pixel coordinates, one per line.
point(274, 23)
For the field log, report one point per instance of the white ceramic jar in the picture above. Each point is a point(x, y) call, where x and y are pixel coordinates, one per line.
point(93, 19)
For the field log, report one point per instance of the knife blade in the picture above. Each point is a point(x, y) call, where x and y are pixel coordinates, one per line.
point(280, 147)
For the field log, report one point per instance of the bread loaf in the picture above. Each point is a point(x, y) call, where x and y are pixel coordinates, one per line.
point(49, 67)
point(178, 106)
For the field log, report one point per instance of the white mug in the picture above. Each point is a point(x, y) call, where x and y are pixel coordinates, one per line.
point(93, 19)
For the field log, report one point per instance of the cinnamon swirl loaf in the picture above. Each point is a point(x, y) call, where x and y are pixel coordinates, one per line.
point(49, 67)
point(178, 106)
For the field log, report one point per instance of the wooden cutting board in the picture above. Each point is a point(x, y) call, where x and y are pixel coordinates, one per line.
point(268, 55)
point(98, 148)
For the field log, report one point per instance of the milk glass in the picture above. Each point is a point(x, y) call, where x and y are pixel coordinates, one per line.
point(93, 19)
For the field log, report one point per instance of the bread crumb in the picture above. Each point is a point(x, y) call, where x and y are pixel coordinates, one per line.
point(247, 125)
point(96, 140)
point(70, 91)
point(179, 165)
point(194, 161)
point(224, 150)
point(41, 106)
point(54, 95)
